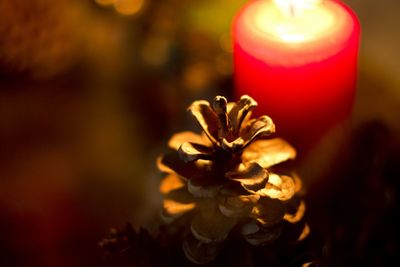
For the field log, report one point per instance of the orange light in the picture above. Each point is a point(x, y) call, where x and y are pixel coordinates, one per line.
point(128, 7)
point(105, 2)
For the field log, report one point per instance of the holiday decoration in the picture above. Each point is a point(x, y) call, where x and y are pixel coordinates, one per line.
point(226, 182)
point(303, 52)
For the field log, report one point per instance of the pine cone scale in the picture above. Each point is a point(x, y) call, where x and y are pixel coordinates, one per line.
point(179, 138)
point(269, 152)
point(207, 119)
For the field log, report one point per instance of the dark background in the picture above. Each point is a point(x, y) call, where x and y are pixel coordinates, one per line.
point(89, 95)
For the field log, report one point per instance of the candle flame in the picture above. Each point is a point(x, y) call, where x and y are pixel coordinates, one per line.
point(295, 21)
point(293, 8)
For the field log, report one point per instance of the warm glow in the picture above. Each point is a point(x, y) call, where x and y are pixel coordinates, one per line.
point(295, 7)
point(124, 7)
point(307, 59)
point(128, 7)
point(295, 21)
point(313, 30)
point(105, 2)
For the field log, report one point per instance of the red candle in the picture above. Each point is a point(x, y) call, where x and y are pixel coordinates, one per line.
point(298, 59)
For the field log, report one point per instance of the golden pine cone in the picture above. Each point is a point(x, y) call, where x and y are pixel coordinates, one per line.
point(224, 178)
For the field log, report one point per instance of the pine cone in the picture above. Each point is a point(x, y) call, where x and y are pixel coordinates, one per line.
point(129, 246)
point(224, 180)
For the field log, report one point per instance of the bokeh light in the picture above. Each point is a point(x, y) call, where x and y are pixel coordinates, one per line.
point(91, 90)
point(128, 7)
point(105, 2)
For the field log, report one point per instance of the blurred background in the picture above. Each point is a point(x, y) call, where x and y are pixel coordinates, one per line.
point(90, 91)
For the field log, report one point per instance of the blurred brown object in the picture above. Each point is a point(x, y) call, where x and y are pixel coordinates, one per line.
point(39, 36)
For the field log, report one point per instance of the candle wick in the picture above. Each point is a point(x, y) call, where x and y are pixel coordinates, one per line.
point(292, 10)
